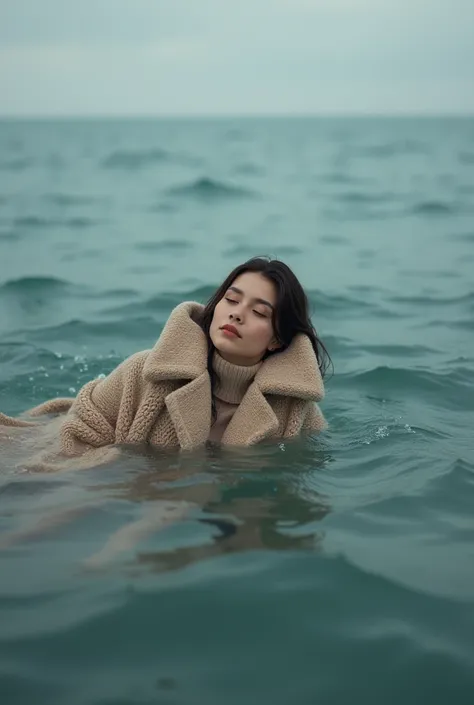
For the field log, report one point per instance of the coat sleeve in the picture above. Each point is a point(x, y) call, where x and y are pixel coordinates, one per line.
point(314, 421)
point(92, 419)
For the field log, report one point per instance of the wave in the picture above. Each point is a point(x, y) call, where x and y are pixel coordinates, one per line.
point(65, 200)
point(364, 198)
point(334, 240)
point(361, 211)
point(463, 324)
point(207, 189)
point(391, 149)
point(79, 222)
point(435, 301)
point(14, 352)
point(164, 245)
point(338, 177)
point(32, 285)
point(19, 164)
point(119, 293)
point(450, 387)
point(136, 159)
point(26, 361)
point(345, 305)
point(249, 251)
point(248, 169)
point(456, 484)
point(164, 207)
point(39, 223)
point(161, 304)
point(462, 237)
point(30, 293)
point(7, 235)
point(32, 221)
point(76, 330)
point(433, 208)
point(398, 350)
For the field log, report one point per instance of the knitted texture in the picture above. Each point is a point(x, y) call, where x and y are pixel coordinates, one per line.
point(232, 384)
point(233, 380)
point(162, 396)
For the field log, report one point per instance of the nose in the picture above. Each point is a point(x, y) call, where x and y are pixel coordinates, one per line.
point(235, 317)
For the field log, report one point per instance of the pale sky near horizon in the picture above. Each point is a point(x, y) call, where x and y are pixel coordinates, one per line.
point(186, 57)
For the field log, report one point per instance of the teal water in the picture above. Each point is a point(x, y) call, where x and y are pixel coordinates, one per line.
point(331, 570)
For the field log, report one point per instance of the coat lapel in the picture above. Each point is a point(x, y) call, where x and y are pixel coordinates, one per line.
point(180, 355)
point(253, 420)
point(189, 408)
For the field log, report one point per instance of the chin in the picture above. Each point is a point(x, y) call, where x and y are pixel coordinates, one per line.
point(220, 341)
point(225, 346)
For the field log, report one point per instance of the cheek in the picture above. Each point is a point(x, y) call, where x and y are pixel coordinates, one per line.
point(215, 316)
point(263, 333)
point(218, 319)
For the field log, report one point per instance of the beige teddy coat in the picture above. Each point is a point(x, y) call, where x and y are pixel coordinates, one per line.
point(162, 396)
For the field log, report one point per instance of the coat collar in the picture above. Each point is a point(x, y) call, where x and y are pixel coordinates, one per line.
point(180, 354)
point(293, 372)
point(181, 350)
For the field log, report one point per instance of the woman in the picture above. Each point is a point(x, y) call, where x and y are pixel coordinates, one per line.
point(246, 367)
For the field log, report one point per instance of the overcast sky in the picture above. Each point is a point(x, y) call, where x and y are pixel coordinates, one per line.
point(148, 57)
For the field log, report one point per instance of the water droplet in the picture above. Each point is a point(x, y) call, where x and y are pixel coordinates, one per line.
point(381, 432)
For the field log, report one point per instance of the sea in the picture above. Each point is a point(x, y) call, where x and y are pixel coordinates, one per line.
point(327, 570)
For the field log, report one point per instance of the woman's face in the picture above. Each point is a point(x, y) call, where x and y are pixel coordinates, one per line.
point(247, 305)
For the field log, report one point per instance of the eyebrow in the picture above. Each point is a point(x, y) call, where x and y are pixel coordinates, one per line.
point(257, 301)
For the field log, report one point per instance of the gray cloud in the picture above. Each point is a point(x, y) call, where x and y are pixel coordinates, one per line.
point(154, 56)
point(86, 22)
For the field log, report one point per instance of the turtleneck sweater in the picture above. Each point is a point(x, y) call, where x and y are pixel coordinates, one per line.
point(232, 383)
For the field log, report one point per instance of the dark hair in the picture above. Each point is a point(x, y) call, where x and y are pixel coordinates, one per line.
point(291, 314)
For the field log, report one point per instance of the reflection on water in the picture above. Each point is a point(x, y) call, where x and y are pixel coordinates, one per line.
point(169, 509)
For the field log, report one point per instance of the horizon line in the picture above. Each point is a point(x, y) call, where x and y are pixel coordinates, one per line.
point(236, 115)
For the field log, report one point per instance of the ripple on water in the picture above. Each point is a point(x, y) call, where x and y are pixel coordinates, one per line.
point(164, 245)
point(34, 222)
point(66, 200)
point(249, 251)
point(381, 631)
point(33, 285)
point(210, 190)
point(434, 208)
point(136, 159)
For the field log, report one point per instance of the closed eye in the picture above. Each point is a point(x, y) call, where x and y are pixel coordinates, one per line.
point(257, 313)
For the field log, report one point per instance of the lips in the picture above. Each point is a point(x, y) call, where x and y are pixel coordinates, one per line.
point(231, 329)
